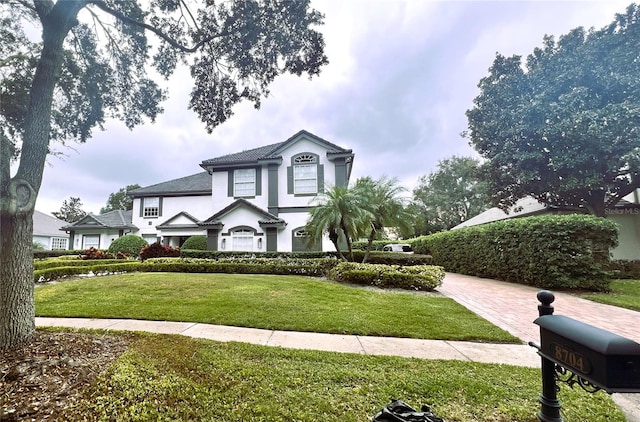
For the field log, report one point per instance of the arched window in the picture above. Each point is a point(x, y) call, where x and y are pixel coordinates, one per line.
point(305, 174)
point(242, 240)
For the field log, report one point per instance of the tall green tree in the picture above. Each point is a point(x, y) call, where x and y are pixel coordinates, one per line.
point(70, 211)
point(448, 196)
point(120, 200)
point(564, 126)
point(338, 214)
point(94, 59)
point(384, 205)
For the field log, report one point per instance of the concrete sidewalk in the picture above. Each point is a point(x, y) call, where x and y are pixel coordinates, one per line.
point(512, 354)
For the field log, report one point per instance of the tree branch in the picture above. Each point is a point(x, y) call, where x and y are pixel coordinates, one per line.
point(122, 17)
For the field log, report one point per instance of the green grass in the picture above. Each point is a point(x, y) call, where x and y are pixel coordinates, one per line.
point(265, 301)
point(624, 293)
point(168, 378)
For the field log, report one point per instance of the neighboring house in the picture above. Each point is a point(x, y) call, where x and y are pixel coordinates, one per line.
point(46, 231)
point(99, 231)
point(626, 214)
point(254, 200)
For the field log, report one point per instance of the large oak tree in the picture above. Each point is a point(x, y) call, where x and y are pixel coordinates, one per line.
point(93, 63)
point(564, 126)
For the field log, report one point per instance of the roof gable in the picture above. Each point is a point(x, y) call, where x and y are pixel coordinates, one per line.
point(118, 219)
point(266, 217)
point(181, 220)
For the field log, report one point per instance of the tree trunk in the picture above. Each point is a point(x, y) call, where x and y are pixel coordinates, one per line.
point(18, 194)
point(372, 235)
point(17, 311)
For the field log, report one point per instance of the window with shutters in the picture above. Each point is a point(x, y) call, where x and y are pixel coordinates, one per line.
point(151, 207)
point(305, 174)
point(244, 182)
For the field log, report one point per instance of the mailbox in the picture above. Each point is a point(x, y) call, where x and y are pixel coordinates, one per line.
point(605, 359)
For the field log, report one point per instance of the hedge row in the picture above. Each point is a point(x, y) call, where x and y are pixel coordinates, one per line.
point(418, 277)
point(308, 267)
point(623, 268)
point(393, 258)
point(210, 254)
point(560, 252)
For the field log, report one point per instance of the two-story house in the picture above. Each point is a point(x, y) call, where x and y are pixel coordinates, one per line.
point(254, 200)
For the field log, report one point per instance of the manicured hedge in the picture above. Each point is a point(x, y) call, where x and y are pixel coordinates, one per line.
point(560, 252)
point(623, 268)
point(209, 254)
point(58, 252)
point(98, 268)
point(393, 258)
point(417, 277)
point(196, 242)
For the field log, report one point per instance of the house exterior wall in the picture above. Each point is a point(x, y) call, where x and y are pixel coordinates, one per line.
point(197, 206)
point(628, 234)
point(105, 238)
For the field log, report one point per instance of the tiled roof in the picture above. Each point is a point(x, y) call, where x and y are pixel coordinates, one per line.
point(250, 155)
point(196, 184)
point(269, 151)
point(117, 219)
point(46, 225)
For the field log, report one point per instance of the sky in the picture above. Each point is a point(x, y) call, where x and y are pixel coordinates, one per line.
point(401, 75)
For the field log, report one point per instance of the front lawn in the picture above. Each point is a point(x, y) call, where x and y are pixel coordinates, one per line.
point(624, 293)
point(265, 301)
point(178, 378)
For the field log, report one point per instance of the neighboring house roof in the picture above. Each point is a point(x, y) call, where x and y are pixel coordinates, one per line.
point(117, 219)
point(196, 184)
point(524, 207)
point(270, 152)
point(47, 225)
point(267, 218)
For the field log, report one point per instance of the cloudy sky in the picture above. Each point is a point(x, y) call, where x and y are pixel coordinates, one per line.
point(402, 73)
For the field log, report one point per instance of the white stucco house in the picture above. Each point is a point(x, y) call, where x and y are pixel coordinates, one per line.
point(253, 200)
point(46, 231)
point(626, 214)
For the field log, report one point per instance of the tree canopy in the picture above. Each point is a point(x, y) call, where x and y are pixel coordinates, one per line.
point(448, 196)
point(564, 126)
point(120, 200)
point(70, 211)
point(94, 62)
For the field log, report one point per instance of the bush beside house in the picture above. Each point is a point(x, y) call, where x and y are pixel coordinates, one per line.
point(129, 244)
point(560, 252)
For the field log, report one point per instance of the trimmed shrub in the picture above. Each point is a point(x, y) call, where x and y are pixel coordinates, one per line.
point(93, 253)
point(393, 258)
point(417, 277)
point(628, 269)
point(559, 252)
point(210, 254)
point(50, 274)
point(156, 250)
point(129, 244)
point(197, 243)
point(56, 253)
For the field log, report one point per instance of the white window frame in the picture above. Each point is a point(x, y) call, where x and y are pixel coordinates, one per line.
point(59, 243)
point(305, 174)
point(86, 245)
point(244, 182)
point(152, 209)
point(242, 240)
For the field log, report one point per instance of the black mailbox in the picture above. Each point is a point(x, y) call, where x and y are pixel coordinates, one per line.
point(605, 359)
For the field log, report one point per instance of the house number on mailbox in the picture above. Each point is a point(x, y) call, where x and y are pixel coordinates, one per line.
point(571, 358)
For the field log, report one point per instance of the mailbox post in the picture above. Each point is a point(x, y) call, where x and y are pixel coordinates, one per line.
point(577, 353)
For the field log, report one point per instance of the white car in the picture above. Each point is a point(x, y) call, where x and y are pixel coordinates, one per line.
point(398, 247)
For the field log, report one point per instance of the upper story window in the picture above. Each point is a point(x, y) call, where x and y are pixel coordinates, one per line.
point(244, 182)
point(151, 207)
point(305, 174)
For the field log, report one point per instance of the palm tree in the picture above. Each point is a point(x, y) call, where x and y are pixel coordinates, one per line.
point(385, 208)
point(337, 212)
